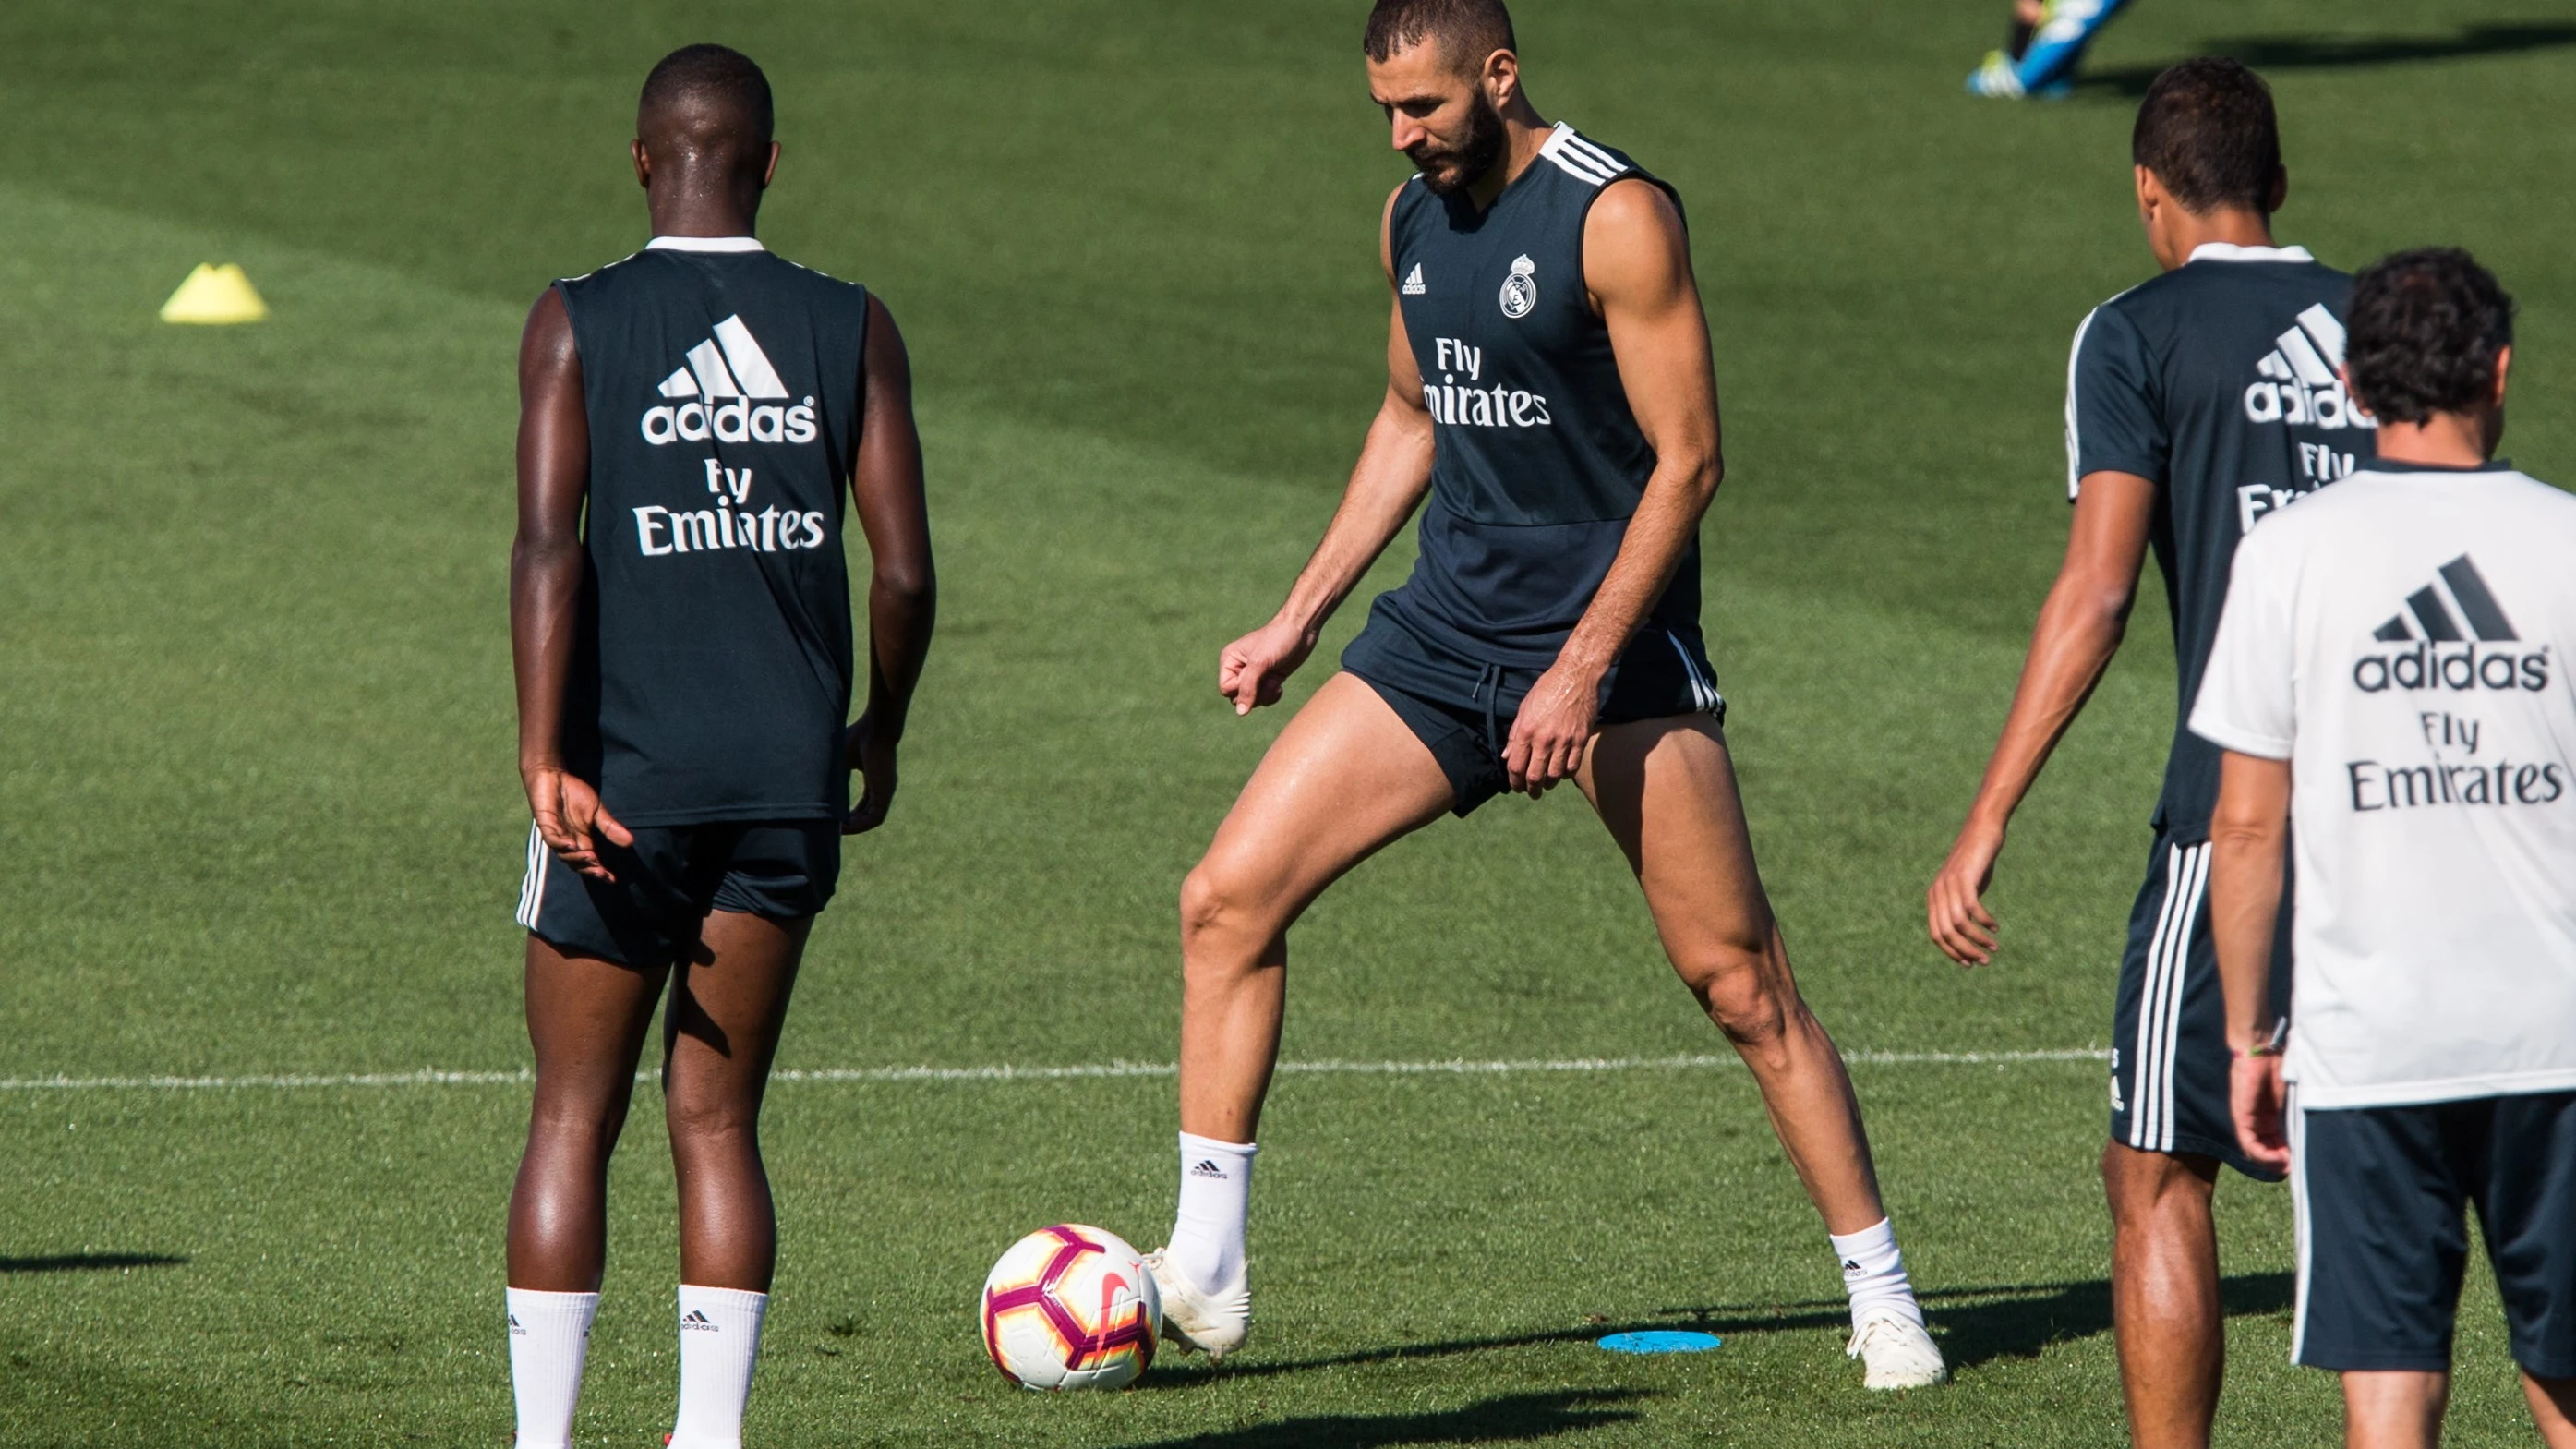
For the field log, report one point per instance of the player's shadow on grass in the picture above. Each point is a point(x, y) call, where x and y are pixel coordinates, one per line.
point(2024, 1321)
point(2341, 52)
point(88, 1262)
point(1976, 1325)
point(1505, 1419)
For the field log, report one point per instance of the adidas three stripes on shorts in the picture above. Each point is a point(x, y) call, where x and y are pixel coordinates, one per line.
point(2169, 1056)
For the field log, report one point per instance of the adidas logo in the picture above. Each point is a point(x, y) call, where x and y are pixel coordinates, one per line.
point(1850, 1267)
point(695, 1321)
point(2300, 386)
point(2454, 607)
point(1208, 1168)
point(2470, 601)
point(515, 1328)
point(1413, 285)
point(727, 379)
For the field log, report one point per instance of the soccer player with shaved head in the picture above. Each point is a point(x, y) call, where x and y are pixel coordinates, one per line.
point(692, 421)
point(1551, 413)
point(2198, 404)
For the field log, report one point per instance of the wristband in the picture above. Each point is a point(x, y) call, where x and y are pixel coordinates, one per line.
point(2270, 1045)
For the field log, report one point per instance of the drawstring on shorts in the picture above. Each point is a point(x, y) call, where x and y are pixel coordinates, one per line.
point(1489, 688)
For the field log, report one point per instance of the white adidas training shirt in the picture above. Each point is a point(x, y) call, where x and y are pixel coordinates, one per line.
point(2403, 639)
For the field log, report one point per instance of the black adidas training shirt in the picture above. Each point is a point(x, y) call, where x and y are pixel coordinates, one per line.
point(2216, 382)
point(712, 670)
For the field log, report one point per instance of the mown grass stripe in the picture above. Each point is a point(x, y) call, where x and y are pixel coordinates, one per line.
point(1007, 1072)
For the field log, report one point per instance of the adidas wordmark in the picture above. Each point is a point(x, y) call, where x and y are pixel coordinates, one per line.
point(728, 383)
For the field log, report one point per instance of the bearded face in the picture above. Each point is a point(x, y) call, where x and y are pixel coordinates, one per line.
point(1449, 167)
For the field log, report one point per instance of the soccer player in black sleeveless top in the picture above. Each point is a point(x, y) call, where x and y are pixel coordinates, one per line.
point(680, 616)
point(1551, 410)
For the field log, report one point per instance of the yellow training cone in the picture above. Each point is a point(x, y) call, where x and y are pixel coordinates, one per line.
point(215, 294)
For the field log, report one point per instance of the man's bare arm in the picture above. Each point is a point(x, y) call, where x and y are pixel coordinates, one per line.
point(2080, 628)
point(545, 583)
point(2249, 836)
point(1636, 265)
point(1387, 484)
point(903, 587)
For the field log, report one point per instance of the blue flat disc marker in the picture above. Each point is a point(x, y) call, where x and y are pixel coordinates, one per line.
point(1661, 1341)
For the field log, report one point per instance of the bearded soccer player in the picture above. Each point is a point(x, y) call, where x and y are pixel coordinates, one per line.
point(680, 617)
point(2198, 403)
point(1552, 410)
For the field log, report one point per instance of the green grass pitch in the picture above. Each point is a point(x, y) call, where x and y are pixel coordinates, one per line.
point(258, 815)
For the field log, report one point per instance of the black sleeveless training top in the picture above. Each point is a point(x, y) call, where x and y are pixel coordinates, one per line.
point(1538, 463)
point(712, 674)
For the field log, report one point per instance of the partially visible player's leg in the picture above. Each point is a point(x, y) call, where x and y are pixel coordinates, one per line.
point(1343, 780)
point(2042, 62)
point(2165, 1313)
point(587, 1020)
point(728, 1004)
point(1666, 789)
point(1346, 777)
point(2553, 1408)
point(2171, 1128)
point(2394, 1409)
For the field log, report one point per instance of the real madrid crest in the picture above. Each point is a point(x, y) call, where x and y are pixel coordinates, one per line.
point(1520, 289)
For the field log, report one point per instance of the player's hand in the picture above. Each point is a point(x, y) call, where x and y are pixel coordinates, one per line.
point(1550, 732)
point(872, 757)
point(1253, 669)
point(570, 819)
point(1955, 906)
point(2256, 1096)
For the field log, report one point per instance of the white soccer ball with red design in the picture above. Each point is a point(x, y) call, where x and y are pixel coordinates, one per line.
point(1071, 1307)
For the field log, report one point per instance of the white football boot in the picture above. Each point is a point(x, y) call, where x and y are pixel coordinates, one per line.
point(1210, 1323)
point(1899, 1354)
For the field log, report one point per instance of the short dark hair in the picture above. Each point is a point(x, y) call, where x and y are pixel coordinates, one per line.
point(1469, 29)
point(2424, 332)
point(715, 73)
point(2208, 131)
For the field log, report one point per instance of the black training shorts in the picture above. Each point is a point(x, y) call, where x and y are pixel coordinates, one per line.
point(1462, 709)
point(2169, 1054)
point(670, 878)
point(2383, 1237)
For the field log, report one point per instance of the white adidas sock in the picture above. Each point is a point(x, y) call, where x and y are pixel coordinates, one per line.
point(1874, 1271)
point(1207, 1232)
point(549, 1337)
point(719, 1339)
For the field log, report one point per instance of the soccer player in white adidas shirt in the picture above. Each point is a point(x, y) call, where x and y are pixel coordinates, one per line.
point(2390, 678)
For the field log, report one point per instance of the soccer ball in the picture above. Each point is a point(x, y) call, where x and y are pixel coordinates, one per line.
point(1071, 1307)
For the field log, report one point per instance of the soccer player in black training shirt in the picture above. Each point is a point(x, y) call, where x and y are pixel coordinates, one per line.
point(1551, 409)
point(2197, 403)
point(680, 617)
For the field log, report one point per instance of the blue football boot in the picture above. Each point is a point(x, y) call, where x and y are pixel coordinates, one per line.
point(2046, 67)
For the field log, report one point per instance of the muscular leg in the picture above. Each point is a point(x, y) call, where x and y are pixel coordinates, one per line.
point(727, 1006)
point(1344, 779)
point(586, 1019)
point(2164, 1293)
point(2394, 1410)
point(1666, 789)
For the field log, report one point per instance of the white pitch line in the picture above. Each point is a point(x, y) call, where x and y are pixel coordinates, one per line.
point(430, 1077)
